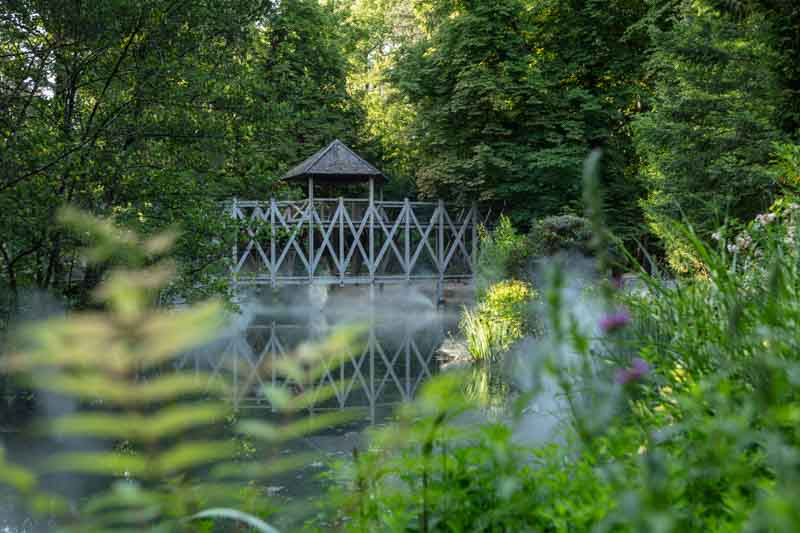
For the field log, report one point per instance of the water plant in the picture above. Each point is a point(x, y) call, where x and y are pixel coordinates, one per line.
point(501, 317)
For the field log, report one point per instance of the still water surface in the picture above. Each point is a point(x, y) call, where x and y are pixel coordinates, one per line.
point(404, 332)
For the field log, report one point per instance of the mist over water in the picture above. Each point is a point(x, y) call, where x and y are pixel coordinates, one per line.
point(534, 361)
point(404, 330)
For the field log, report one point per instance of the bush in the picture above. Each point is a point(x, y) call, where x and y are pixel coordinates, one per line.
point(150, 435)
point(682, 405)
point(554, 234)
point(501, 317)
point(504, 254)
point(786, 165)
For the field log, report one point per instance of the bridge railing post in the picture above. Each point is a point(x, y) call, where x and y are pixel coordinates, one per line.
point(474, 258)
point(407, 254)
point(235, 246)
point(273, 257)
point(342, 266)
point(372, 266)
point(311, 251)
point(440, 252)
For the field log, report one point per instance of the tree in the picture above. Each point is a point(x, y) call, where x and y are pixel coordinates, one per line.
point(707, 139)
point(153, 112)
point(511, 95)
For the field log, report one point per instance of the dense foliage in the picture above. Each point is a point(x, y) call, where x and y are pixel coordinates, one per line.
point(673, 408)
point(154, 112)
point(501, 317)
point(502, 100)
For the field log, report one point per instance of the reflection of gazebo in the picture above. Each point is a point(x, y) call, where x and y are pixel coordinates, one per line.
point(336, 164)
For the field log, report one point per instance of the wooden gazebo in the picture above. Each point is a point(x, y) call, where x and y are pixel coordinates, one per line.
point(337, 164)
point(365, 241)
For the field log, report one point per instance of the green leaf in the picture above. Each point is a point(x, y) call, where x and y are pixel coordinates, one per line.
point(305, 426)
point(261, 469)
point(160, 389)
point(193, 454)
point(175, 420)
point(101, 463)
point(15, 476)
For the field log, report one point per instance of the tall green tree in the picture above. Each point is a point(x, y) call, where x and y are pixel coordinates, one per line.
point(510, 96)
point(706, 141)
point(153, 112)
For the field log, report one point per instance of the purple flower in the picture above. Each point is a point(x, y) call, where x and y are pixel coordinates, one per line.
point(638, 368)
point(615, 321)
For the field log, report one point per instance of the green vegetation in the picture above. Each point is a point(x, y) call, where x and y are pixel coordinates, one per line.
point(505, 310)
point(153, 437)
point(674, 407)
point(678, 412)
point(501, 317)
point(154, 112)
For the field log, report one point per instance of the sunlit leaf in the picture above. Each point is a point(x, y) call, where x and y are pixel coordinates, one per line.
point(105, 463)
point(123, 493)
point(174, 420)
point(15, 476)
point(99, 425)
point(189, 455)
point(159, 389)
point(263, 469)
point(169, 333)
point(313, 396)
point(305, 426)
point(128, 292)
point(278, 396)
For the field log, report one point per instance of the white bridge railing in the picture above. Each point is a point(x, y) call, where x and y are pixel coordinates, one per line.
point(351, 241)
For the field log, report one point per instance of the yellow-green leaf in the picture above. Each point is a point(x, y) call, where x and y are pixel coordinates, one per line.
point(193, 454)
point(103, 463)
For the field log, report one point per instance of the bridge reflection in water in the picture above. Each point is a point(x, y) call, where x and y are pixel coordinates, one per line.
point(397, 355)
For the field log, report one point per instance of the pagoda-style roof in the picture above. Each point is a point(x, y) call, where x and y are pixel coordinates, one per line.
point(336, 163)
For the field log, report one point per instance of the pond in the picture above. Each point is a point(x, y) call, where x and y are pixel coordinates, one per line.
point(404, 332)
point(403, 335)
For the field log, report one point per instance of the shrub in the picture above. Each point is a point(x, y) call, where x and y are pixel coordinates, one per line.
point(554, 234)
point(152, 436)
point(786, 165)
point(682, 415)
point(678, 410)
point(501, 317)
point(504, 254)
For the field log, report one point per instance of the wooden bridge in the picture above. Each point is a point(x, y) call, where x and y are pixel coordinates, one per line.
point(349, 241)
point(346, 241)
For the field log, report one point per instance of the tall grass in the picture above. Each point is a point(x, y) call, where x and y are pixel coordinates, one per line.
point(501, 317)
point(682, 402)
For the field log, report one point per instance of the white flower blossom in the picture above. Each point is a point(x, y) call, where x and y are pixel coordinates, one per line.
point(717, 235)
point(732, 248)
point(743, 241)
point(765, 218)
point(791, 232)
